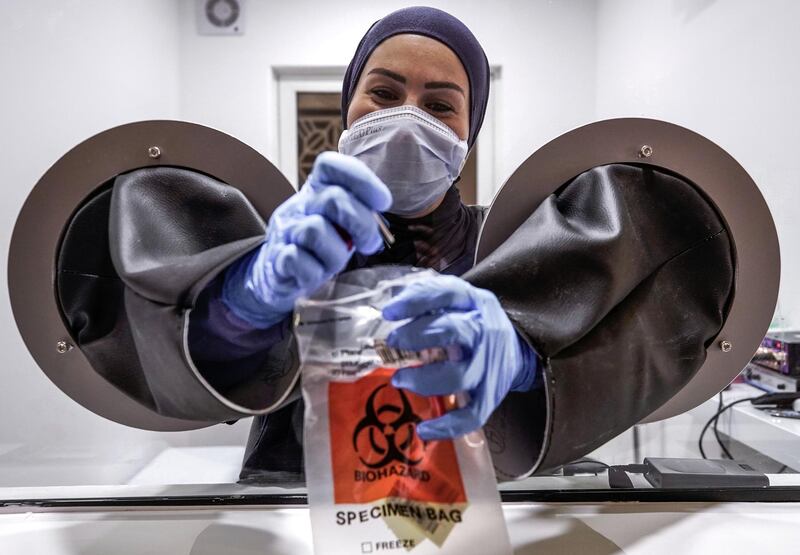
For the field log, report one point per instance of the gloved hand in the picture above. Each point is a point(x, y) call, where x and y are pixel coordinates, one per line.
point(495, 359)
point(303, 249)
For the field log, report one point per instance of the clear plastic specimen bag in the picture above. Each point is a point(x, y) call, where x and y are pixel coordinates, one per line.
point(374, 485)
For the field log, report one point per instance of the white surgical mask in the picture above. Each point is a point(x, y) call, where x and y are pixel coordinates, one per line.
point(415, 154)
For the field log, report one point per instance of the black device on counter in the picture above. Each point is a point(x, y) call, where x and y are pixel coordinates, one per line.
point(701, 473)
point(775, 400)
point(688, 474)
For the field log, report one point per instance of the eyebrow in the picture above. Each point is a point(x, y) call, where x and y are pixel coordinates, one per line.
point(389, 74)
point(430, 85)
point(444, 85)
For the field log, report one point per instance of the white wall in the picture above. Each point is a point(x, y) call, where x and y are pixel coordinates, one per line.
point(547, 74)
point(726, 69)
point(71, 69)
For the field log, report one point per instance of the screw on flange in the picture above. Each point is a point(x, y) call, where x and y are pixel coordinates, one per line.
point(62, 347)
point(646, 151)
point(154, 152)
point(726, 346)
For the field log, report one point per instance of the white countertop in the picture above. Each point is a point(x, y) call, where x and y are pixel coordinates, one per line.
point(535, 529)
point(778, 438)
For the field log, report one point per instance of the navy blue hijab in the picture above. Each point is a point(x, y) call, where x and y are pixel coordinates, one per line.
point(437, 25)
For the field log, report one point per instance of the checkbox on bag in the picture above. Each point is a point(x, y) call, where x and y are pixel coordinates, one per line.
point(366, 547)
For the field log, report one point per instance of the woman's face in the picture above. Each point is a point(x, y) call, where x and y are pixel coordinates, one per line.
point(415, 70)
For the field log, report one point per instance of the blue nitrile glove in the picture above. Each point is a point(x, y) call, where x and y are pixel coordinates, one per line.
point(447, 310)
point(303, 248)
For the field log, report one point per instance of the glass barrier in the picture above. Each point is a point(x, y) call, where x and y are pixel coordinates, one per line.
point(275, 85)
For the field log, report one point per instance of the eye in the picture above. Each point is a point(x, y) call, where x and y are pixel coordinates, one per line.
point(383, 94)
point(439, 107)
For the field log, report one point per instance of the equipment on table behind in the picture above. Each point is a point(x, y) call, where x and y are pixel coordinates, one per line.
point(775, 366)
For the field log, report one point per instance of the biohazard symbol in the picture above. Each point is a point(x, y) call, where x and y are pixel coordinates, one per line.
point(391, 430)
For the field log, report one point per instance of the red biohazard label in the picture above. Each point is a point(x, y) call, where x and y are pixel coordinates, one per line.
point(375, 450)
